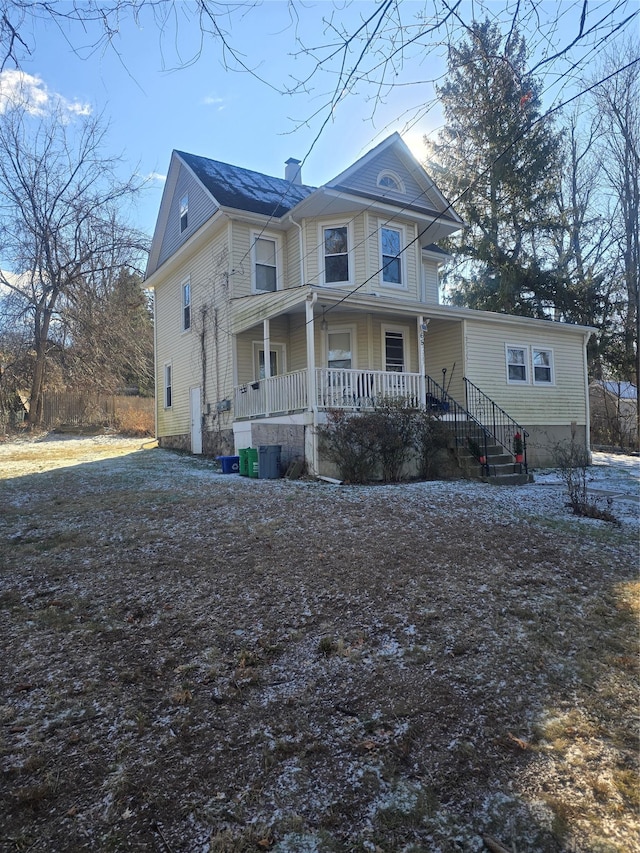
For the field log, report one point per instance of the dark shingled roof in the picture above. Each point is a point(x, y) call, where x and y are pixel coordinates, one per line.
point(243, 189)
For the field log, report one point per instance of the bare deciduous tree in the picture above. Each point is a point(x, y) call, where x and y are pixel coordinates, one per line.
point(618, 105)
point(61, 222)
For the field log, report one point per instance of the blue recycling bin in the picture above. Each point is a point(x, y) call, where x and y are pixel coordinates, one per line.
point(230, 464)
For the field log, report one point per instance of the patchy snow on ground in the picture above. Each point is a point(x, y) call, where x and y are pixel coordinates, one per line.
point(193, 661)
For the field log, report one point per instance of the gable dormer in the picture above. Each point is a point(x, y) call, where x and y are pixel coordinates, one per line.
point(391, 175)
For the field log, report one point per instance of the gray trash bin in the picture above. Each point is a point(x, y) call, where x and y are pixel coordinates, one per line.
point(269, 461)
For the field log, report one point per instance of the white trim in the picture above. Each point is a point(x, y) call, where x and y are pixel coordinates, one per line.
point(552, 372)
point(525, 364)
point(281, 357)
point(339, 328)
point(337, 223)
point(185, 285)
point(183, 212)
point(405, 332)
point(400, 229)
point(276, 240)
point(398, 187)
point(167, 385)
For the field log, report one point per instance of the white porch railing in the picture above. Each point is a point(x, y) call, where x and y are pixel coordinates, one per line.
point(361, 389)
point(336, 389)
point(271, 396)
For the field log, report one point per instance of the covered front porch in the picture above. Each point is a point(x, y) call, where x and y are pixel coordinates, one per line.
point(312, 350)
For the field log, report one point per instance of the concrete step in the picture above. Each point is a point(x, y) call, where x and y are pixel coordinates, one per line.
point(508, 479)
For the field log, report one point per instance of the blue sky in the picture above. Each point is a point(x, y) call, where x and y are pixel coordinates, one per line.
point(161, 92)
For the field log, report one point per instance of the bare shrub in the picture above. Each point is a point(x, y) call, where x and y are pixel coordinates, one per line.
point(351, 442)
point(381, 442)
point(394, 427)
point(430, 438)
point(135, 416)
point(573, 461)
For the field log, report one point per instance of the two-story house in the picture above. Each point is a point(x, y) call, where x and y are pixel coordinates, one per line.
point(276, 301)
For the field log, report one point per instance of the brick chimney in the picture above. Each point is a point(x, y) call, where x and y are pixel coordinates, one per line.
point(292, 171)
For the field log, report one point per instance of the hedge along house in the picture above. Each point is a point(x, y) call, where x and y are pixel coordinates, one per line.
point(276, 302)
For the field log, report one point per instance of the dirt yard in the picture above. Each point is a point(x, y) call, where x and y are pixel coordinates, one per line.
point(203, 663)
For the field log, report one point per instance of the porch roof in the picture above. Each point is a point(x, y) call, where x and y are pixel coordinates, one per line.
point(250, 311)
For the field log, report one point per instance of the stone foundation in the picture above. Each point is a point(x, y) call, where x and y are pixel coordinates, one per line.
point(175, 442)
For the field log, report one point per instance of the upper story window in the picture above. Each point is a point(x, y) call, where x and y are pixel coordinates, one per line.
point(542, 366)
point(390, 181)
point(336, 254)
point(265, 269)
point(184, 212)
point(391, 259)
point(517, 364)
point(186, 306)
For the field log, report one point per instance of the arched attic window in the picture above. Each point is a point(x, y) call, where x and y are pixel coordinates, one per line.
point(388, 180)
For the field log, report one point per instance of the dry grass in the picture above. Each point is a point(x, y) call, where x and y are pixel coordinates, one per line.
point(194, 662)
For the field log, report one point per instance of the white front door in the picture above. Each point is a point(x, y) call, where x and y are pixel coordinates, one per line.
point(196, 421)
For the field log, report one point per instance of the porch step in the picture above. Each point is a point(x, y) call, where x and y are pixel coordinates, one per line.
point(507, 479)
point(503, 470)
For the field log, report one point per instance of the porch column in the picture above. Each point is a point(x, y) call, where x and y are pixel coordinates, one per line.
point(422, 383)
point(311, 352)
point(266, 343)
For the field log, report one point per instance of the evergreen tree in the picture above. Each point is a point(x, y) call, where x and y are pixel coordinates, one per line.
point(497, 162)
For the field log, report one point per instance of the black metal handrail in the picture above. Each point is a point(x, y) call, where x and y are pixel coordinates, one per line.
point(469, 432)
point(502, 427)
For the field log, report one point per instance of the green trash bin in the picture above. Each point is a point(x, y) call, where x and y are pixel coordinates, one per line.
point(244, 461)
point(252, 461)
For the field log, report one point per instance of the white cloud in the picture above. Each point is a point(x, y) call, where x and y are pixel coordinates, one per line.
point(156, 176)
point(18, 89)
point(213, 101)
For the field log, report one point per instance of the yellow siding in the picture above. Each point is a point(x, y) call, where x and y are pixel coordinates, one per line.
point(443, 349)
point(431, 278)
point(529, 404)
point(207, 271)
point(298, 340)
point(278, 334)
point(365, 255)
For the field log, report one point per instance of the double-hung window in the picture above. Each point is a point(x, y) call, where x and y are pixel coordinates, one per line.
point(529, 365)
point(336, 254)
point(184, 213)
point(542, 366)
point(517, 365)
point(186, 306)
point(265, 269)
point(391, 259)
point(168, 379)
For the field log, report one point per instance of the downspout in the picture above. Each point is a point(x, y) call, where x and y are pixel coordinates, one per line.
point(587, 406)
point(312, 298)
